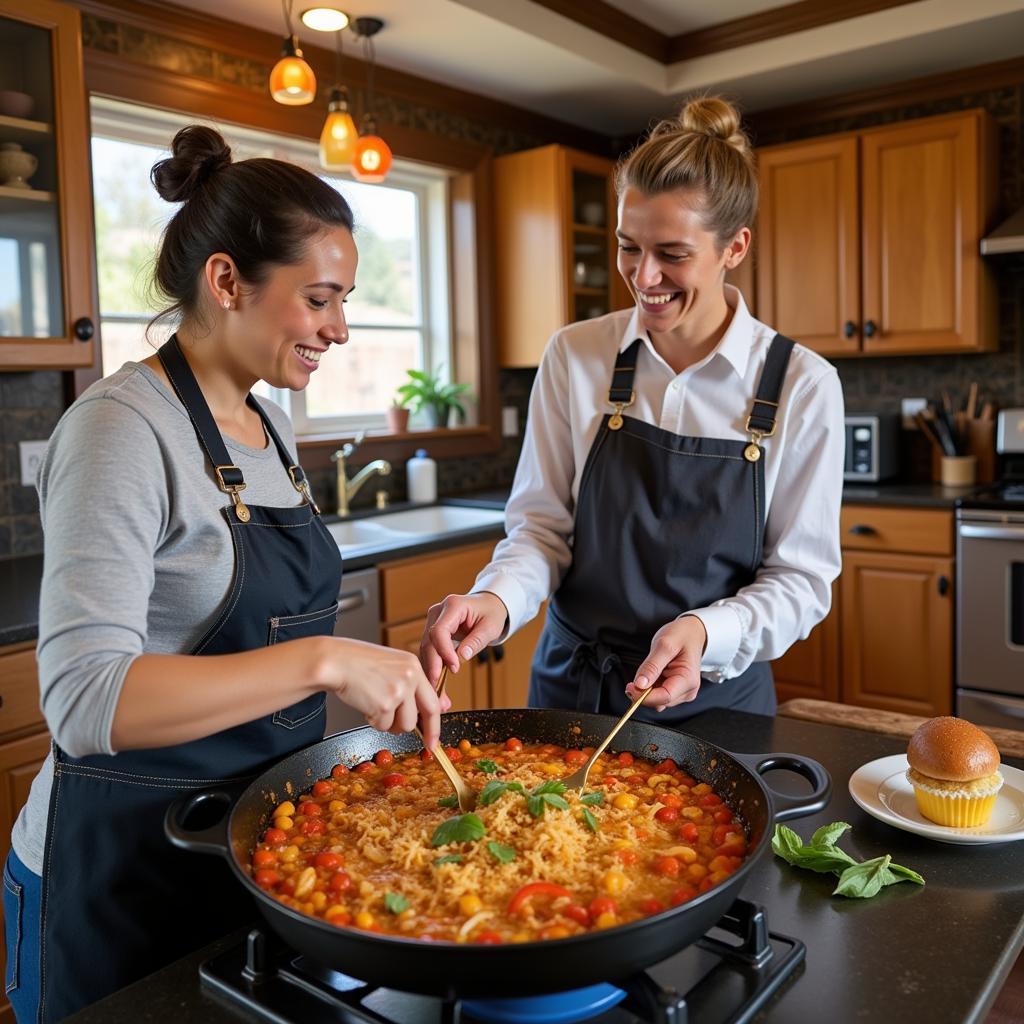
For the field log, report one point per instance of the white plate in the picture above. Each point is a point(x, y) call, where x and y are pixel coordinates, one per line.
point(882, 789)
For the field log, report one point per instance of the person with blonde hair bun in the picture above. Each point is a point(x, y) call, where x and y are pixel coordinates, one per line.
point(678, 492)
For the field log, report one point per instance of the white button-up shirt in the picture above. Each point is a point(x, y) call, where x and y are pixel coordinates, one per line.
point(792, 590)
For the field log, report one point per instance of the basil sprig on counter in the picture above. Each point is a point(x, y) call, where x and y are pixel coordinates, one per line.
point(464, 828)
point(860, 880)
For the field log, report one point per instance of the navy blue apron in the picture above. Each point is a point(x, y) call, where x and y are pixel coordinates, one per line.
point(118, 901)
point(664, 523)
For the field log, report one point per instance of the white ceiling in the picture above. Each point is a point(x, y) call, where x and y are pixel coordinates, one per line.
point(521, 52)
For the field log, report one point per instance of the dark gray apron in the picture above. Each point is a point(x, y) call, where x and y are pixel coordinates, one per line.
point(118, 901)
point(664, 523)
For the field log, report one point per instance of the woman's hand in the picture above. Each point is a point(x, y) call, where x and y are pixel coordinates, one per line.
point(671, 672)
point(388, 686)
point(467, 621)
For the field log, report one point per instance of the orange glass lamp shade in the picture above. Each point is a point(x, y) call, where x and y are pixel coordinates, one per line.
point(292, 81)
point(339, 135)
point(372, 159)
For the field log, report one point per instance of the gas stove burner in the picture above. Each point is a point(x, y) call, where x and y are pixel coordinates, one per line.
point(725, 978)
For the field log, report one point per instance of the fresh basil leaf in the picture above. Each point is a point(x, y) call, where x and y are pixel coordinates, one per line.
point(494, 788)
point(466, 828)
point(864, 880)
point(556, 801)
point(395, 902)
point(592, 799)
point(906, 874)
point(790, 847)
point(535, 805)
point(488, 766)
point(501, 852)
point(449, 858)
point(449, 801)
point(588, 817)
point(828, 835)
point(551, 786)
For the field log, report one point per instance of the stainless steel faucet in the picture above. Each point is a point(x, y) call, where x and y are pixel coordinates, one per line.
point(347, 489)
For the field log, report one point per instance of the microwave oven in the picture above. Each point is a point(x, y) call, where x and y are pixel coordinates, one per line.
point(872, 447)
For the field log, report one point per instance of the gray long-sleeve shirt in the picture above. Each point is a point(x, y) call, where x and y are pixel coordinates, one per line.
point(138, 557)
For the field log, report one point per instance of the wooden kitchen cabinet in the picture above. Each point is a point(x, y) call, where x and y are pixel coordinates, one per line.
point(888, 641)
point(868, 242)
point(24, 744)
point(555, 247)
point(46, 230)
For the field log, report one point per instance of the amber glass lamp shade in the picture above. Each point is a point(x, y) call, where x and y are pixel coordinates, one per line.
point(372, 159)
point(292, 81)
point(339, 135)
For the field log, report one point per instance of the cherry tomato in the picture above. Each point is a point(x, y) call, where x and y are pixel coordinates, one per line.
point(723, 816)
point(627, 857)
point(670, 799)
point(666, 814)
point(710, 800)
point(341, 881)
point(513, 744)
point(340, 919)
point(609, 780)
point(395, 779)
point(287, 887)
point(328, 860)
point(383, 758)
point(266, 878)
point(454, 754)
point(689, 832)
point(322, 788)
point(426, 755)
point(264, 859)
point(310, 809)
point(667, 866)
point(338, 770)
point(602, 905)
point(536, 889)
point(577, 913)
point(651, 906)
point(274, 837)
point(575, 757)
point(686, 780)
point(682, 895)
point(363, 767)
point(705, 884)
point(625, 758)
point(666, 767)
point(313, 827)
point(489, 939)
point(735, 847)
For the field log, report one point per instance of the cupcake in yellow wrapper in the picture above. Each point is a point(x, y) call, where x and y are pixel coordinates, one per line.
point(954, 772)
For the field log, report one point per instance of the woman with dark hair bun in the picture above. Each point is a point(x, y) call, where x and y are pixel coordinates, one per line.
point(190, 589)
point(678, 491)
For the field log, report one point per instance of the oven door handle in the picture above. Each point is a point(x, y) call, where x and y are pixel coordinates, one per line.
point(999, 706)
point(992, 532)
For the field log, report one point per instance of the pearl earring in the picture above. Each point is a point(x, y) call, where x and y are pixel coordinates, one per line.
point(227, 303)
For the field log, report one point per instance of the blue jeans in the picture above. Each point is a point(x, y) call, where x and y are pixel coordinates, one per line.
point(22, 896)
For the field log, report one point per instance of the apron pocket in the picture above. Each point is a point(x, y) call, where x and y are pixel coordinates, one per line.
point(294, 627)
point(12, 927)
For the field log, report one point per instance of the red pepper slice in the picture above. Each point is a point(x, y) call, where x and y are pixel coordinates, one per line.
point(536, 889)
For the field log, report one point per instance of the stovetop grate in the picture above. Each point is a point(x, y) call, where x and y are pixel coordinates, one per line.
point(725, 978)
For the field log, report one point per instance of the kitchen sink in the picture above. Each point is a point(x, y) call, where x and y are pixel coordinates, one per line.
point(405, 527)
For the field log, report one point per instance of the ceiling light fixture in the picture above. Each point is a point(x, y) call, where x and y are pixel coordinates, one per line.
point(338, 138)
point(324, 19)
point(292, 81)
point(372, 158)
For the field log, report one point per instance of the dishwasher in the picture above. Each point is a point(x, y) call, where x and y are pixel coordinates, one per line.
point(358, 619)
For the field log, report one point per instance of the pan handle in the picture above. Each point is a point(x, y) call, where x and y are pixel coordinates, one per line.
point(212, 838)
point(784, 805)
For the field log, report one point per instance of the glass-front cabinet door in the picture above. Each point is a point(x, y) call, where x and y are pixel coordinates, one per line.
point(46, 226)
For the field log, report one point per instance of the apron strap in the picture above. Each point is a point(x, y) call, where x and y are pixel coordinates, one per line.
point(621, 394)
point(761, 421)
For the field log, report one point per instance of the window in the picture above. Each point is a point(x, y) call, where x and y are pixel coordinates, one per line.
point(399, 314)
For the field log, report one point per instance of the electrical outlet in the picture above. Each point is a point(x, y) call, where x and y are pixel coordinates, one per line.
point(910, 406)
point(509, 421)
point(31, 454)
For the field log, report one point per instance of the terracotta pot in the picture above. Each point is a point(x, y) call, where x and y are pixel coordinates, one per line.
point(398, 419)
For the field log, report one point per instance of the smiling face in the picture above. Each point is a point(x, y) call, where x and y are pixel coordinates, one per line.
point(281, 330)
point(674, 267)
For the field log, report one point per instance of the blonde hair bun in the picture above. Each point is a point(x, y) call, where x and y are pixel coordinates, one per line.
point(708, 115)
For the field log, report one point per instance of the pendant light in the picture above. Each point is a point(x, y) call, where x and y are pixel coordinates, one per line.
point(338, 138)
point(292, 81)
point(372, 158)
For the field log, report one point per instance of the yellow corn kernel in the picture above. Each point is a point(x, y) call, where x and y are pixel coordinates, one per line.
point(614, 882)
point(557, 931)
point(289, 854)
point(365, 888)
point(520, 937)
point(364, 919)
point(719, 876)
point(336, 805)
point(475, 752)
point(549, 768)
point(306, 908)
point(407, 915)
point(285, 810)
point(304, 886)
point(319, 900)
point(622, 844)
point(465, 746)
point(605, 920)
point(284, 823)
point(470, 905)
point(700, 789)
point(624, 801)
point(696, 871)
point(358, 789)
point(692, 812)
point(334, 911)
point(299, 840)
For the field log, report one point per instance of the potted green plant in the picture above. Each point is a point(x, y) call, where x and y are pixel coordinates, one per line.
point(427, 392)
point(398, 416)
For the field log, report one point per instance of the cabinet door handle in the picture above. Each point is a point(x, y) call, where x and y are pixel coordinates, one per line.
point(484, 656)
point(863, 530)
point(943, 584)
point(499, 652)
point(849, 329)
point(84, 329)
point(870, 329)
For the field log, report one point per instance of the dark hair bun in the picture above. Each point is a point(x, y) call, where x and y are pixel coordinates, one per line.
point(198, 153)
point(953, 750)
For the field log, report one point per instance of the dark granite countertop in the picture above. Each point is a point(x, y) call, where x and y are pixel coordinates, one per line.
point(19, 598)
point(905, 494)
point(938, 953)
